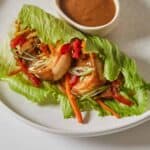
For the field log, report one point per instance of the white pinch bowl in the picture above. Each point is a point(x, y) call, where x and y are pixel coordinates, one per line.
point(102, 30)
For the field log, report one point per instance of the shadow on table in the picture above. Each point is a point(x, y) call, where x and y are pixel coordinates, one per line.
point(1, 2)
point(138, 136)
point(143, 69)
point(134, 21)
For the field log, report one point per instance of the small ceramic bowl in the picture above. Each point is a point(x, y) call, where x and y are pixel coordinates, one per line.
point(102, 30)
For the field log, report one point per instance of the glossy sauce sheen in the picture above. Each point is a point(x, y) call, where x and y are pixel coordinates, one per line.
point(89, 12)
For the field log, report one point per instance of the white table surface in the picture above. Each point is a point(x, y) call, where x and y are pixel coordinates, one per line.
point(15, 135)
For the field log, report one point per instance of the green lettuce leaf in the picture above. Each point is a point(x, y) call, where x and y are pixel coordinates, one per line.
point(50, 30)
point(129, 70)
point(141, 104)
point(7, 63)
point(109, 53)
point(66, 108)
point(47, 94)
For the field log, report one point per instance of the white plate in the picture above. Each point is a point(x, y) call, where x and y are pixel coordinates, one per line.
point(132, 35)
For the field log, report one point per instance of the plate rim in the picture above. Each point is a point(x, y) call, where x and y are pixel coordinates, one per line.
point(64, 132)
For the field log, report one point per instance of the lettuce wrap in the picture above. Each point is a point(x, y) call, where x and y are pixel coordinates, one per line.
point(50, 30)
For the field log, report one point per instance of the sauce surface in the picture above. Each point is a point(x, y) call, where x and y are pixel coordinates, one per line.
point(89, 12)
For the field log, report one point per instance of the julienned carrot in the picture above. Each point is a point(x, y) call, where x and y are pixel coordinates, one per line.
point(105, 107)
point(14, 72)
point(72, 100)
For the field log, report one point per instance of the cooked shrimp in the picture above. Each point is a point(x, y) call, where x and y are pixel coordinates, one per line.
point(43, 60)
point(53, 67)
point(93, 80)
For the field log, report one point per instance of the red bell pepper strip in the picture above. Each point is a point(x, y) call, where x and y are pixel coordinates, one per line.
point(35, 81)
point(113, 92)
point(122, 99)
point(19, 40)
point(65, 48)
point(73, 80)
point(76, 45)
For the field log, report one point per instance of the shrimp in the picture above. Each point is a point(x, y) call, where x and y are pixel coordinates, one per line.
point(52, 67)
point(44, 61)
point(93, 80)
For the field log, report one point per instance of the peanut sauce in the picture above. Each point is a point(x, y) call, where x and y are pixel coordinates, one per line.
point(89, 12)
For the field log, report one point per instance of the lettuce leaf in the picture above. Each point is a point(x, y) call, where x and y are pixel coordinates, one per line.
point(7, 63)
point(129, 70)
point(141, 104)
point(109, 53)
point(50, 30)
point(48, 93)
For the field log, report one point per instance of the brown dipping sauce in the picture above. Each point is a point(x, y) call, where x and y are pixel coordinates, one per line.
point(89, 12)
